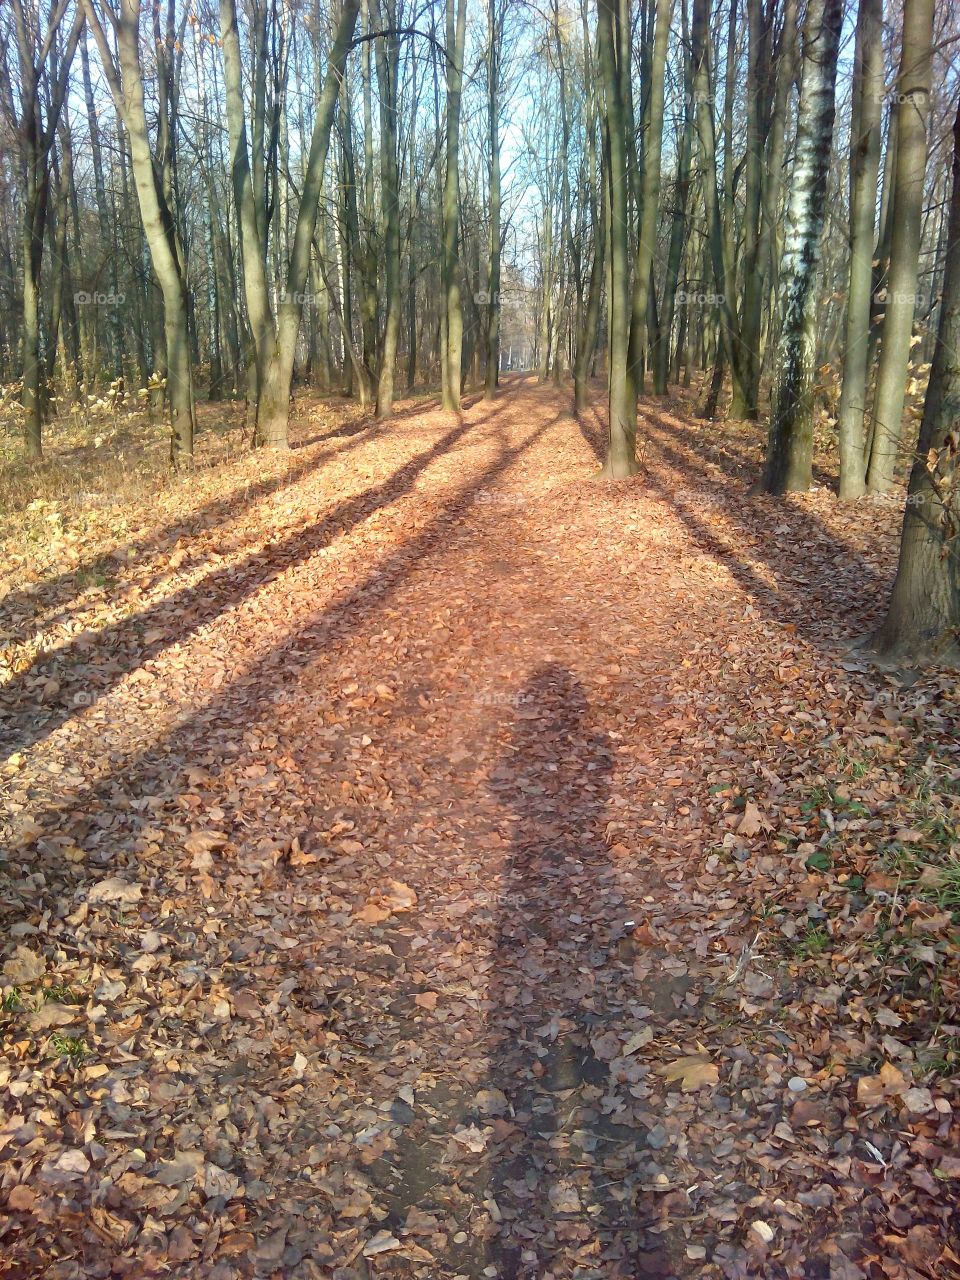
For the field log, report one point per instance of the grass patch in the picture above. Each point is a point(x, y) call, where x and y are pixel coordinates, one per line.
point(62, 993)
point(814, 943)
point(72, 1047)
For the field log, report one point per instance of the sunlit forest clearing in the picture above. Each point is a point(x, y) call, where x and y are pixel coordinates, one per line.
point(478, 639)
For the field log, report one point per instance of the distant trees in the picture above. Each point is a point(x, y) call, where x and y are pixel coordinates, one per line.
point(227, 197)
point(275, 335)
point(45, 38)
point(466, 190)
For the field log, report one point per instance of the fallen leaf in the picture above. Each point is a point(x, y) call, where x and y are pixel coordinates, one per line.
point(24, 967)
point(115, 890)
point(695, 1071)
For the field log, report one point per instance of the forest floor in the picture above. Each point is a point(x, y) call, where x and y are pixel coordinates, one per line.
point(423, 860)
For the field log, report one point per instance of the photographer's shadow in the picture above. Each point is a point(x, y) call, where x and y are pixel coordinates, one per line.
point(554, 1177)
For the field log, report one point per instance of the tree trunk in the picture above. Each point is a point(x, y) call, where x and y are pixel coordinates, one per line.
point(649, 206)
point(719, 243)
point(388, 54)
point(913, 107)
point(923, 619)
point(104, 212)
point(126, 83)
point(493, 139)
point(678, 228)
point(621, 460)
point(453, 309)
point(790, 446)
point(864, 171)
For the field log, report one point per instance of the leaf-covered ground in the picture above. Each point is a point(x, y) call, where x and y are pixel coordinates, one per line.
point(424, 861)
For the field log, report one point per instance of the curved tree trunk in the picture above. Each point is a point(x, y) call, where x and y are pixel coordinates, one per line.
point(126, 84)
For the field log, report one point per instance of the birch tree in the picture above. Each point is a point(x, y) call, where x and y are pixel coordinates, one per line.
point(790, 443)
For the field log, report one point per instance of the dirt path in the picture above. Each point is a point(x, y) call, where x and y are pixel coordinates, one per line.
point(434, 813)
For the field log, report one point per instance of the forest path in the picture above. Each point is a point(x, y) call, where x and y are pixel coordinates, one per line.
point(417, 839)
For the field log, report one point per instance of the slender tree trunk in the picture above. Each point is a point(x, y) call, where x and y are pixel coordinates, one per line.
point(678, 228)
point(453, 308)
point(719, 243)
point(768, 249)
point(913, 108)
point(33, 217)
point(587, 341)
point(621, 460)
point(758, 84)
point(493, 141)
point(790, 444)
point(649, 205)
point(388, 55)
point(126, 83)
point(104, 213)
point(864, 171)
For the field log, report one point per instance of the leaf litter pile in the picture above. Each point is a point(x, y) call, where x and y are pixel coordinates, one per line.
point(424, 861)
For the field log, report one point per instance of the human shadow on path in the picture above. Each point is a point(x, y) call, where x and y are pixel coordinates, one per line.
point(563, 1171)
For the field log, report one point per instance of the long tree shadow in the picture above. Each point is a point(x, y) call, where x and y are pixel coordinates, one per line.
point(63, 588)
point(818, 580)
point(143, 636)
point(144, 772)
